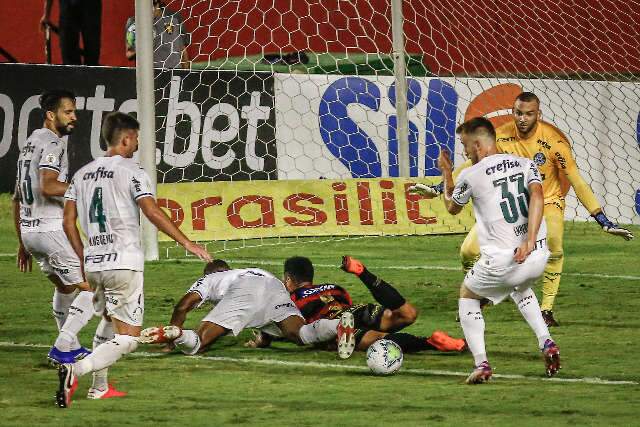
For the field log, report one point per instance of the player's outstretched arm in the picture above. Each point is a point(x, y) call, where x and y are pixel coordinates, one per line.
point(188, 302)
point(158, 218)
point(536, 207)
point(24, 259)
point(431, 191)
point(610, 227)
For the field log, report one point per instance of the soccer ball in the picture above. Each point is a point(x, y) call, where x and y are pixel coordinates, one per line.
point(384, 357)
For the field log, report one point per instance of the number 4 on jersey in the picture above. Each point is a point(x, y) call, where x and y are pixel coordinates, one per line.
point(96, 211)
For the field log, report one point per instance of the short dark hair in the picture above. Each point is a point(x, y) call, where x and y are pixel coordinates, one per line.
point(528, 97)
point(299, 268)
point(216, 266)
point(50, 99)
point(475, 124)
point(116, 122)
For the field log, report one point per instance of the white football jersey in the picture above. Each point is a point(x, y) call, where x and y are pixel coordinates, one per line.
point(42, 150)
point(106, 192)
point(214, 286)
point(499, 188)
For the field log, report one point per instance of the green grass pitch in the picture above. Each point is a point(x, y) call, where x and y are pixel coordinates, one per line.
point(292, 386)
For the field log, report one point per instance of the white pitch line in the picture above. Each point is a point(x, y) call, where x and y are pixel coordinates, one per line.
point(380, 267)
point(396, 267)
point(348, 367)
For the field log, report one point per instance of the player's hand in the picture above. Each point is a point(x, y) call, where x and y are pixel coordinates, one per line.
point(258, 341)
point(198, 251)
point(611, 228)
point(428, 191)
point(523, 251)
point(444, 161)
point(619, 231)
point(24, 260)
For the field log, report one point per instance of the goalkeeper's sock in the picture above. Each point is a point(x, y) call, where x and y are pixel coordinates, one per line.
point(61, 303)
point(319, 331)
point(106, 354)
point(472, 324)
point(528, 305)
point(104, 333)
point(409, 343)
point(188, 342)
point(385, 294)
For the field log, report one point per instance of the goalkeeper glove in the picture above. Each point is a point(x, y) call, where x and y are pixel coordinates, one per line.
point(427, 190)
point(612, 228)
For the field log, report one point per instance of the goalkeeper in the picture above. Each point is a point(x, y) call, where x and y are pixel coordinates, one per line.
point(528, 136)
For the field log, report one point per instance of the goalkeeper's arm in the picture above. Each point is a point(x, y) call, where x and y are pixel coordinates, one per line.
point(588, 199)
point(437, 189)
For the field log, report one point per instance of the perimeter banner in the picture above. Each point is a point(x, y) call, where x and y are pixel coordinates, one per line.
point(234, 210)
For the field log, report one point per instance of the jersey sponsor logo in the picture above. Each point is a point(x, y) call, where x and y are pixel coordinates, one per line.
point(317, 290)
point(100, 258)
point(99, 173)
point(61, 270)
point(136, 184)
point(29, 148)
point(288, 304)
point(101, 239)
point(28, 223)
point(502, 167)
point(544, 144)
point(521, 230)
point(539, 159)
point(561, 160)
point(506, 139)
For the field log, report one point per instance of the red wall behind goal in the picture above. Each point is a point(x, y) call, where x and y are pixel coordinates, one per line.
point(456, 36)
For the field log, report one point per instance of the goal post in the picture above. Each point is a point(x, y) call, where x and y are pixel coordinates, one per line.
point(312, 118)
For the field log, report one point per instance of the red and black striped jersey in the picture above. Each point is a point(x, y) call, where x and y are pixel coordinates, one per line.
point(320, 301)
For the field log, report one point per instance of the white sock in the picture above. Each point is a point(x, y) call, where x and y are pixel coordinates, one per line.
point(319, 331)
point(188, 342)
point(61, 303)
point(104, 333)
point(528, 305)
point(80, 312)
point(106, 354)
point(472, 324)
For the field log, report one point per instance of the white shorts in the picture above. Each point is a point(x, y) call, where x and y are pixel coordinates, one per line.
point(254, 302)
point(496, 275)
point(120, 292)
point(55, 256)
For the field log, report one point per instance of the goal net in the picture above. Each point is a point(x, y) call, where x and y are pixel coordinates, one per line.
point(287, 123)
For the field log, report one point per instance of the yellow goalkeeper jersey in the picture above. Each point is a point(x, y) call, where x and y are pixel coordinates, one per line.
point(551, 152)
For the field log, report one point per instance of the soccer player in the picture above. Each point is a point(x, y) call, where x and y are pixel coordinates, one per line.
point(372, 321)
point(106, 196)
point(528, 136)
point(508, 201)
point(37, 209)
point(246, 298)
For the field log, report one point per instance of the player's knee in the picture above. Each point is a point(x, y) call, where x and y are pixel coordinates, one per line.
point(409, 314)
point(468, 256)
point(556, 255)
point(129, 342)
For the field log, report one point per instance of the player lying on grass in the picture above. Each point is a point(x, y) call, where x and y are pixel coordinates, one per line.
point(246, 298)
point(507, 197)
point(372, 321)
